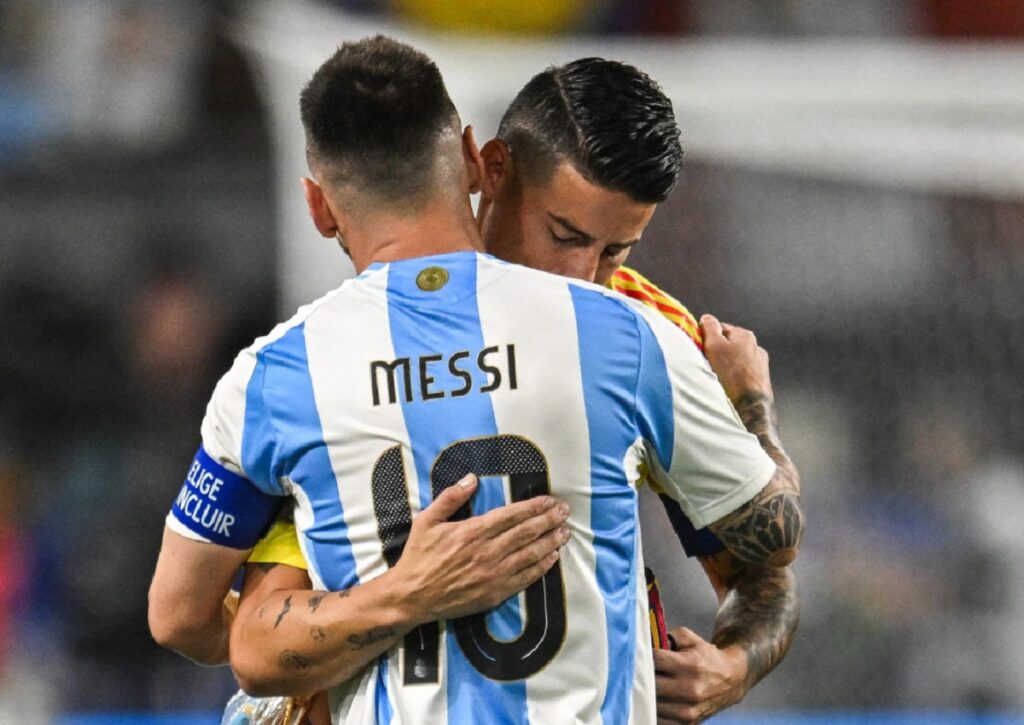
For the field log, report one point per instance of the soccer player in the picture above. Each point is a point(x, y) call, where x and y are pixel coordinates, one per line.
point(570, 182)
point(461, 364)
point(565, 190)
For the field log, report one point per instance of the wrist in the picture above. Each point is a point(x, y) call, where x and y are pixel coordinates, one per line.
point(739, 667)
point(401, 601)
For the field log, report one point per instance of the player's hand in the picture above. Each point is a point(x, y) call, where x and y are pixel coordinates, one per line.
point(740, 363)
point(455, 568)
point(697, 679)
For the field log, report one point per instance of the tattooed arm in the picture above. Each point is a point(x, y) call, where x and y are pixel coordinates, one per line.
point(759, 605)
point(294, 641)
point(758, 601)
point(767, 529)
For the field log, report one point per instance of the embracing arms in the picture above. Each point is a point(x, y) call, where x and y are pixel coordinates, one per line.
point(297, 641)
point(759, 605)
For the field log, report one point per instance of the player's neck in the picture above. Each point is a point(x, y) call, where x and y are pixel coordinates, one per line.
point(440, 228)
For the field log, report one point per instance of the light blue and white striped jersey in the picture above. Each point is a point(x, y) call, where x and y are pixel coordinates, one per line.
point(372, 400)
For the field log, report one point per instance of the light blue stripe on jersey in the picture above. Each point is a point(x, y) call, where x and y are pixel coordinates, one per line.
point(444, 322)
point(609, 374)
point(384, 710)
point(654, 407)
point(301, 454)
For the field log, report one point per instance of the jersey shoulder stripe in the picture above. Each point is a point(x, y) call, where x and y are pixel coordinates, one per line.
point(631, 283)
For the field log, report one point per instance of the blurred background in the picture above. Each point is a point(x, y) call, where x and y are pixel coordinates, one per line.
point(853, 190)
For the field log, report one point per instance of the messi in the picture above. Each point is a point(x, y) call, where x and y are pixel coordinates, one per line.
point(430, 377)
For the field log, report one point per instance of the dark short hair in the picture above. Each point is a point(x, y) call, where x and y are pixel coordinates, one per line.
point(374, 113)
point(608, 119)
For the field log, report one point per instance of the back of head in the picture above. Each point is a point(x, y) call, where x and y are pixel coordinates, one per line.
point(609, 120)
point(379, 121)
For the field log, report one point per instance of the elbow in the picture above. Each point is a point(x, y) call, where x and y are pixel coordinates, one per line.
point(181, 630)
point(782, 558)
point(258, 673)
point(786, 516)
point(790, 533)
point(765, 532)
point(257, 679)
point(170, 631)
point(253, 685)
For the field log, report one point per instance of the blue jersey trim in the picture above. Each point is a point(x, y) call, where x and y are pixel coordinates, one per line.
point(222, 506)
point(301, 456)
point(419, 328)
point(609, 374)
point(385, 712)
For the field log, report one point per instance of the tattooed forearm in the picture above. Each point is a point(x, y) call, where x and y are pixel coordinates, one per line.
point(767, 529)
point(760, 614)
point(284, 610)
point(293, 662)
point(378, 634)
point(757, 411)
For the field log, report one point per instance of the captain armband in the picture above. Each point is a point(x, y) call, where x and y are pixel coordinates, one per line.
point(222, 507)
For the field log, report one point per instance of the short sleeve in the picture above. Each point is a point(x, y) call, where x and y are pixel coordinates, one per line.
point(698, 451)
point(230, 496)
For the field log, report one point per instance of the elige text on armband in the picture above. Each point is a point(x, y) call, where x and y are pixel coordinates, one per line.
point(198, 498)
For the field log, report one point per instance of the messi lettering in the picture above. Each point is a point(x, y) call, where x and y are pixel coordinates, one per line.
point(431, 377)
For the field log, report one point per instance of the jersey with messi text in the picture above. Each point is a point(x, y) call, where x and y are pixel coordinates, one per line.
point(374, 399)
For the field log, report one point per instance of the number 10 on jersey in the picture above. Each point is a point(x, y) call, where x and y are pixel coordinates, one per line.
point(544, 614)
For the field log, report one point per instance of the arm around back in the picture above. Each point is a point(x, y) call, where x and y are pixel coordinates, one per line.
point(186, 598)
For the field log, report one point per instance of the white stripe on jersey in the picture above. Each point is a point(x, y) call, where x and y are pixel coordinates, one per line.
point(545, 352)
point(330, 336)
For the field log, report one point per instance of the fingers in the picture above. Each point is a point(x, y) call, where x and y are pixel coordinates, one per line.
point(673, 713)
point(525, 577)
point(537, 551)
point(502, 519)
point(532, 528)
point(711, 327)
point(686, 638)
point(450, 500)
point(669, 663)
point(686, 663)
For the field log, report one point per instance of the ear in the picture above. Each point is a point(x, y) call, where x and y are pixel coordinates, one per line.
point(319, 211)
point(498, 167)
point(473, 161)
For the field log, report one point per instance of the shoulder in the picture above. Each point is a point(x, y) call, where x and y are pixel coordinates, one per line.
point(634, 285)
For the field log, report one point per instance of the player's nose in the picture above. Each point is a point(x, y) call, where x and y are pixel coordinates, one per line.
point(587, 267)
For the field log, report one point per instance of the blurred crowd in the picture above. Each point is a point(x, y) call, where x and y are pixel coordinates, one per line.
point(138, 254)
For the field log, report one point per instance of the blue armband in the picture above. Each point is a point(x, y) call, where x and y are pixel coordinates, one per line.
point(223, 507)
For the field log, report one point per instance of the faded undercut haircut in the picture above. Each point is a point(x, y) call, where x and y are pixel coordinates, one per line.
point(375, 115)
point(611, 121)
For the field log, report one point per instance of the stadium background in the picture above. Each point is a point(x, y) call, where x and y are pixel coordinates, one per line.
point(853, 191)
